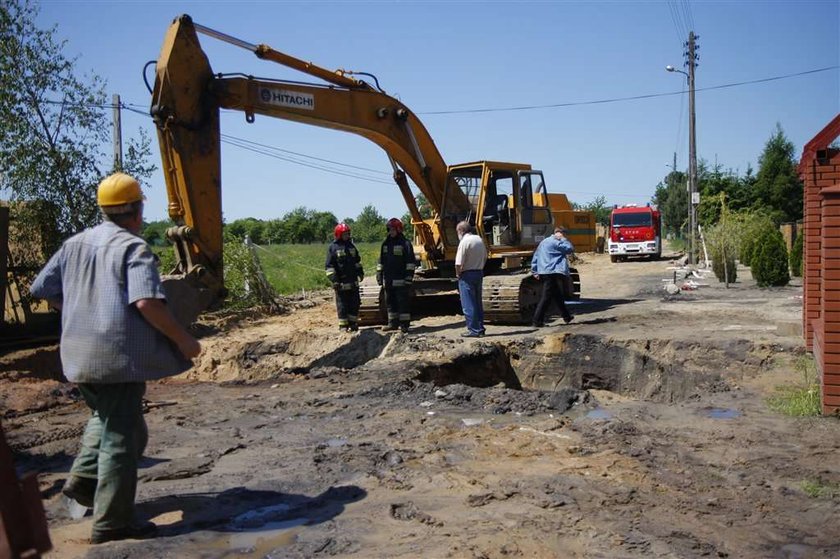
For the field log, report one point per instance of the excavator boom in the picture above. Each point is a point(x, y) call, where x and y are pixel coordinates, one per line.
point(186, 101)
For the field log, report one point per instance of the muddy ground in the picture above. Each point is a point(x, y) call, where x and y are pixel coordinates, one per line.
point(639, 430)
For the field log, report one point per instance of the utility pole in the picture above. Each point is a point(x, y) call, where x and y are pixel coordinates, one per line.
point(693, 195)
point(118, 154)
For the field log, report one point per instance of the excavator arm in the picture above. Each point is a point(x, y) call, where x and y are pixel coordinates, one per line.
point(187, 98)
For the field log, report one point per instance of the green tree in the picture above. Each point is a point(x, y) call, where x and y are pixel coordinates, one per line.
point(777, 186)
point(251, 227)
point(299, 226)
point(671, 197)
point(54, 129)
point(770, 263)
point(722, 239)
point(324, 224)
point(155, 232)
point(369, 226)
point(599, 207)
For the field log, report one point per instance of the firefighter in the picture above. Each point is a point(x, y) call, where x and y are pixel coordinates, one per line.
point(344, 270)
point(395, 271)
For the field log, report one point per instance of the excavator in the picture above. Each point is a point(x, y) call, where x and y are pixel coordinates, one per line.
point(506, 202)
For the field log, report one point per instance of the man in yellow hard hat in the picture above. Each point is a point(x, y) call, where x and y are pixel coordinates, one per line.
point(117, 333)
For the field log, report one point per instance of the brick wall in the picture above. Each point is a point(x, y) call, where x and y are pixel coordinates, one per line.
point(820, 173)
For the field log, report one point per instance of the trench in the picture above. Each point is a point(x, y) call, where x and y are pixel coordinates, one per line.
point(651, 370)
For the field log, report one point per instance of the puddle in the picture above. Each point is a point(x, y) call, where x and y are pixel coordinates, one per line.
point(258, 532)
point(598, 413)
point(260, 542)
point(721, 413)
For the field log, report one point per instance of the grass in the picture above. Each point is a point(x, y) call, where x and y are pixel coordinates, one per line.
point(801, 399)
point(292, 268)
point(817, 489)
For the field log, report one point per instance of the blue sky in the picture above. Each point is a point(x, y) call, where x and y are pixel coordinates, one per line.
point(460, 56)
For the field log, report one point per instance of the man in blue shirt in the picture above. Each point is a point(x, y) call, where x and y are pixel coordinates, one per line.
point(550, 265)
point(116, 333)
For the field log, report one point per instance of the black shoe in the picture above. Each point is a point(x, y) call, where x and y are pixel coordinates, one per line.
point(568, 319)
point(537, 325)
point(390, 328)
point(353, 327)
point(133, 532)
point(471, 335)
point(404, 329)
point(81, 490)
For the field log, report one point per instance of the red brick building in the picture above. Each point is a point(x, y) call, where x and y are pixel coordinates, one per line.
point(819, 169)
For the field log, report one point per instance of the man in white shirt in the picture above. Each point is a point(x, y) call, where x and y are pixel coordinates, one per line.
point(469, 267)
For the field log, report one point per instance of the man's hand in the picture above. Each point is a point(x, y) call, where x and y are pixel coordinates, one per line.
point(536, 276)
point(158, 315)
point(190, 347)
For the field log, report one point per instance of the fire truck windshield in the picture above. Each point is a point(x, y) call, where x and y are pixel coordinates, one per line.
point(636, 219)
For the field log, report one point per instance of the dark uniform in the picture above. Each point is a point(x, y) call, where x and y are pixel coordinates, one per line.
point(344, 270)
point(395, 271)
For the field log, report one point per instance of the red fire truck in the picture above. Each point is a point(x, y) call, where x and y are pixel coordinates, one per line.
point(635, 231)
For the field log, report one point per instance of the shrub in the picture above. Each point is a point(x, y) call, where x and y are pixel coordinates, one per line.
point(769, 263)
point(719, 269)
point(796, 256)
point(751, 227)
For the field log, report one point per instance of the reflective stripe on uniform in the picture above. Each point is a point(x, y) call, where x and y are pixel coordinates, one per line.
point(346, 286)
point(405, 317)
point(353, 318)
point(398, 283)
point(410, 266)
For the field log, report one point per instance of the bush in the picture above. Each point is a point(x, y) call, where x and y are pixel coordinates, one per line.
point(719, 269)
point(770, 260)
point(796, 256)
point(752, 226)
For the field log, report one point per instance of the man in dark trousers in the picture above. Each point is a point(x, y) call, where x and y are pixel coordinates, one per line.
point(344, 270)
point(395, 271)
point(116, 334)
point(550, 265)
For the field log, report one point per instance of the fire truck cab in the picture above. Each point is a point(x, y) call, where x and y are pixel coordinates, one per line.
point(635, 231)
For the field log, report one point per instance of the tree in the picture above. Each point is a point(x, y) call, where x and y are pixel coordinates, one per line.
point(770, 263)
point(777, 186)
point(369, 226)
point(671, 197)
point(53, 130)
point(155, 232)
point(599, 207)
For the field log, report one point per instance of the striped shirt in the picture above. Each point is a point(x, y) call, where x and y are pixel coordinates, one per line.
point(97, 276)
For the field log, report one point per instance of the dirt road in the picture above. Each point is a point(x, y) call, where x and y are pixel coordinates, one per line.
point(639, 430)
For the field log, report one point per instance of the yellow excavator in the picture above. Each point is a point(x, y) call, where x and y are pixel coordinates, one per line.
point(506, 202)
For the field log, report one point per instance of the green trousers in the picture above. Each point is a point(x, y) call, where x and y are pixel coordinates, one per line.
point(113, 442)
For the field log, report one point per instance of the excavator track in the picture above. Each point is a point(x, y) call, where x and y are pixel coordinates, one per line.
point(507, 299)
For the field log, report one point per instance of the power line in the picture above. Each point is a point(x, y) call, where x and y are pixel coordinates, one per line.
point(269, 153)
point(257, 144)
point(630, 98)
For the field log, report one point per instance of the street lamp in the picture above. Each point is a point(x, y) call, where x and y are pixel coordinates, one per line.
point(692, 154)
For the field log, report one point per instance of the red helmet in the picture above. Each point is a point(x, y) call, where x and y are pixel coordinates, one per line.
point(340, 229)
point(395, 223)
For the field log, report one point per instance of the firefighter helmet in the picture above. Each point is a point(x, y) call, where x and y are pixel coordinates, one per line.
point(117, 192)
point(340, 229)
point(396, 224)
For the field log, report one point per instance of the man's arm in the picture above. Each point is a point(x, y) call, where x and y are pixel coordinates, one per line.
point(158, 315)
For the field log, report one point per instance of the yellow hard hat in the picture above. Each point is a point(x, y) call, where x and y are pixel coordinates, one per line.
point(117, 192)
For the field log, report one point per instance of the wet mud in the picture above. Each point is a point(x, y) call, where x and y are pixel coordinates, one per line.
point(640, 430)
